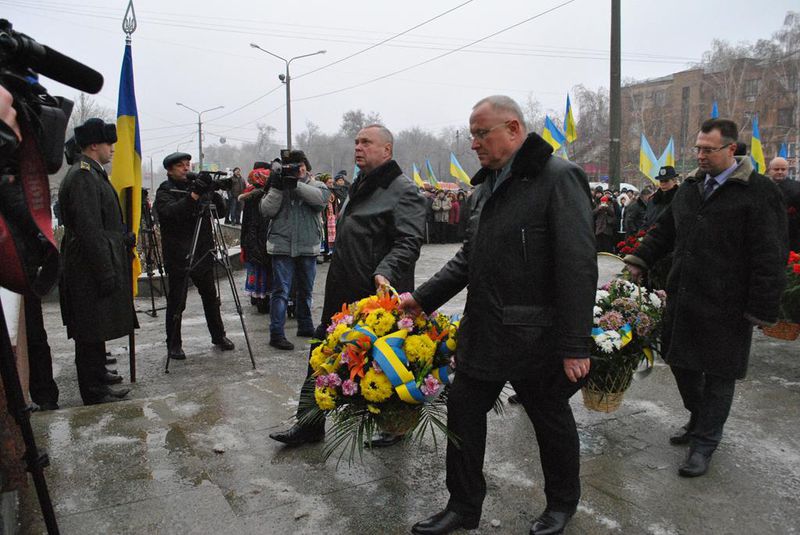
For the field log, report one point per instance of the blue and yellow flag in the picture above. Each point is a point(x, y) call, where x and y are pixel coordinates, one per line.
point(668, 156)
point(570, 130)
point(126, 171)
point(415, 175)
point(756, 150)
point(431, 174)
point(648, 163)
point(457, 171)
point(714, 110)
point(552, 134)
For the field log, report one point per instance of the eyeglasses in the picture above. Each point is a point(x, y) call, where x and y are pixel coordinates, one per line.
point(480, 135)
point(709, 150)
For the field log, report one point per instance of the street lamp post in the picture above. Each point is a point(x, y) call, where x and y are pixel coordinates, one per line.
point(286, 79)
point(199, 130)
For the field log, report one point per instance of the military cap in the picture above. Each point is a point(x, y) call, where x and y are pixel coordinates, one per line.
point(94, 130)
point(667, 173)
point(174, 158)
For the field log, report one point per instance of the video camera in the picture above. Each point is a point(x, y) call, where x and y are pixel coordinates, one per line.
point(206, 181)
point(24, 189)
point(285, 172)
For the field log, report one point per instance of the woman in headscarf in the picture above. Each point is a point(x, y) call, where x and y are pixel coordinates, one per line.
point(254, 240)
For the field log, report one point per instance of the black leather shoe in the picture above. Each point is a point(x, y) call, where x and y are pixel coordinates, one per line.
point(224, 343)
point(305, 333)
point(513, 399)
point(443, 522)
point(383, 439)
point(176, 353)
point(695, 465)
point(111, 379)
point(550, 522)
point(281, 343)
point(297, 435)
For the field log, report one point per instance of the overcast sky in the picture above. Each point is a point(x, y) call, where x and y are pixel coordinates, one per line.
point(197, 52)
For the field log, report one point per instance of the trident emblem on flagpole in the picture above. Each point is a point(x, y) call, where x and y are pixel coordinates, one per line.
point(129, 22)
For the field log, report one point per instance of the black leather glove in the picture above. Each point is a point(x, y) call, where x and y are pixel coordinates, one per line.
point(276, 181)
point(290, 182)
point(129, 239)
point(107, 286)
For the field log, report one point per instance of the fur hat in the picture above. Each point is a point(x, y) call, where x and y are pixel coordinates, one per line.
point(298, 156)
point(95, 131)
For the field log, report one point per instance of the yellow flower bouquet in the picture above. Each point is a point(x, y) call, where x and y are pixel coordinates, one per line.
point(380, 368)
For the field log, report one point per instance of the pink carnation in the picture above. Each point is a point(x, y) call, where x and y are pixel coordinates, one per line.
point(321, 381)
point(334, 380)
point(611, 321)
point(405, 323)
point(349, 388)
point(430, 386)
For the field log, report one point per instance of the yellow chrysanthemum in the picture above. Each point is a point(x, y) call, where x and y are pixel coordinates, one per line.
point(380, 321)
point(420, 347)
point(318, 357)
point(325, 398)
point(335, 337)
point(375, 387)
point(373, 409)
point(420, 322)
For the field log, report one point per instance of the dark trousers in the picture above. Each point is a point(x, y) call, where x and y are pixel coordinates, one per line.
point(708, 398)
point(90, 361)
point(176, 303)
point(546, 401)
point(307, 400)
point(43, 388)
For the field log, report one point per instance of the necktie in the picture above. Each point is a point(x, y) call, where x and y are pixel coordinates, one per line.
point(709, 188)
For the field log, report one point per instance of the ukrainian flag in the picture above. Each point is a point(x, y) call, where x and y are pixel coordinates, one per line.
point(431, 174)
point(714, 110)
point(668, 156)
point(783, 153)
point(417, 179)
point(756, 151)
point(552, 134)
point(126, 172)
point(648, 164)
point(457, 171)
point(570, 130)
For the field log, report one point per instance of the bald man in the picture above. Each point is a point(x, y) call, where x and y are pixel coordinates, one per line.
point(790, 189)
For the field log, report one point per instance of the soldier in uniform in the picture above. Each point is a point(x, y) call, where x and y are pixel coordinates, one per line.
point(179, 203)
point(95, 288)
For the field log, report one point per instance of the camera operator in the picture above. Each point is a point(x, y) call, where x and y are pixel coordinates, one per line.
point(294, 204)
point(95, 289)
point(179, 202)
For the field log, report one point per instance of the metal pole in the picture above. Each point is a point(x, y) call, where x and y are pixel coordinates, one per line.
point(288, 109)
point(200, 141)
point(615, 97)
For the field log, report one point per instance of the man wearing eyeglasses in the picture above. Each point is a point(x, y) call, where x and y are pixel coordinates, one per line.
point(531, 270)
point(727, 228)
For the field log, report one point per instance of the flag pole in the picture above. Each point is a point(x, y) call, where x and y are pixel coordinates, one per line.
point(129, 26)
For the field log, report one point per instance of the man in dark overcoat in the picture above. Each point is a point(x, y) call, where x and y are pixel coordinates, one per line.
point(778, 171)
point(95, 289)
point(379, 233)
point(530, 267)
point(179, 204)
point(727, 229)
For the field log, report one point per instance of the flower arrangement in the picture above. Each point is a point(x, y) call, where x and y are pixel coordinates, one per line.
point(627, 332)
point(380, 368)
point(788, 327)
point(657, 274)
point(631, 243)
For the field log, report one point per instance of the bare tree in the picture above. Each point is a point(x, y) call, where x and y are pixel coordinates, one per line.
point(86, 108)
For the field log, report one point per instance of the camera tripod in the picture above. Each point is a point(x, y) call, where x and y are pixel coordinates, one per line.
point(151, 250)
point(219, 255)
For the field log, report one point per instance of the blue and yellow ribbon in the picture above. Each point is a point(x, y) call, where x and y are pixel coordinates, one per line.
point(625, 333)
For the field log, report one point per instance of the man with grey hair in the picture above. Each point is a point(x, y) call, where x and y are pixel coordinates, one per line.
point(778, 171)
point(379, 233)
point(531, 272)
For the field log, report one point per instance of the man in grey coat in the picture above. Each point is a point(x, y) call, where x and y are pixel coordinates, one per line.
point(294, 205)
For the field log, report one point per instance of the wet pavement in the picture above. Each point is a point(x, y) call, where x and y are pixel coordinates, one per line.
point(189, 451)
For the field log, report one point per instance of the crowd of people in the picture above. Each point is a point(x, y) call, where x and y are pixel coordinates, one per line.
point(530, 230)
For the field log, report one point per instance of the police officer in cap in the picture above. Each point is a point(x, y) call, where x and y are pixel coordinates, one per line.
point(179, 202)
point(667, 188)
point(95, 288)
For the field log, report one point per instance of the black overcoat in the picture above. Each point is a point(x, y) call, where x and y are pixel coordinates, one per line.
point(530, 266)
point(93, 250)
point(728, 268)
point(177, 216)
point(253, 237)
point(379, 231)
